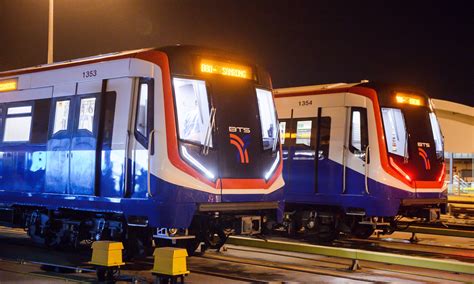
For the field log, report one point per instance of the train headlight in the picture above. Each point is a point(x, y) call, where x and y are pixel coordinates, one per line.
point(196, 163)
point(273, 167)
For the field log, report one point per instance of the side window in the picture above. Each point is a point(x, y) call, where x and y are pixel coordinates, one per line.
point(40, 124)
point(324, 137)
point(144, 111)
point(1, 118)
point(61, 116)
point(17, 124)
point(358, 131)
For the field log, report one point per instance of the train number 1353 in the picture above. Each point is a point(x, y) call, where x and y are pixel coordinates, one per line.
point(89, 73)
point(305, 103)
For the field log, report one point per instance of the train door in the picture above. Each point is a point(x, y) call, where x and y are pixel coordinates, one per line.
point(59, 145)
point(140, 150)
point(72, 143)
point(356, 156)
point(84, 142)
point(307, 169)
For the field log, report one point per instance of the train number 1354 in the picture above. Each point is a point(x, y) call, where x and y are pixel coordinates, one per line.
point(305, 103)
point(89, 73)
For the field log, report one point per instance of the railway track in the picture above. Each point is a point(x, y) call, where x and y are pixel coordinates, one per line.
point(235, 265)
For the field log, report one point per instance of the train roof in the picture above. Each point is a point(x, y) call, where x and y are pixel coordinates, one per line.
point(315, 88)
point(172, 49)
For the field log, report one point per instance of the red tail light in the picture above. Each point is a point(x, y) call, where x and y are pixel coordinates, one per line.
point(441, 176)
point(399, 170)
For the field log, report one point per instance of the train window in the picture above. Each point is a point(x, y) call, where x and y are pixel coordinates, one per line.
point(86, 114)
point(438, 137)
point(39, 128)
point(18, 124)
point(282, 132)
point(192, 105)
point(61, 116)
point(144, 112)
point(268, 119)
point(395, 131)
point(359, 132)
point(303, 132)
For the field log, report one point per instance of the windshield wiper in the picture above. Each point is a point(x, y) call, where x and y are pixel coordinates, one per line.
point(210, 127)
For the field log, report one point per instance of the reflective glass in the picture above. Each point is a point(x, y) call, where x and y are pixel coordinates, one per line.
point(303, 132)
point(17, 129)
point(267, 118)
point(356, 131)
point(86, 115)
point(193, 112)
point(61, 116)
point(438, 137)
point(395, 130)
point(282, 132)
point(19, 110)
point(142, 111)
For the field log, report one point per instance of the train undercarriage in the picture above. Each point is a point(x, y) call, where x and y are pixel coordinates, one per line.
point(69, 229)
point(326, 223)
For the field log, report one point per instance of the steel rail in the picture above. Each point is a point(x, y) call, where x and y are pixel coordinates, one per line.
point(357, 255)
point(439, 231)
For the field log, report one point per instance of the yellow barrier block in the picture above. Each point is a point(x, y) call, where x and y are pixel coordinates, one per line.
point(107, 253)
point(170, 261)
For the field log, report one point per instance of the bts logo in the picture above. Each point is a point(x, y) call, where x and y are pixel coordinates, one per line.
point(423, 154)
point(239, 143)
point(234, 129)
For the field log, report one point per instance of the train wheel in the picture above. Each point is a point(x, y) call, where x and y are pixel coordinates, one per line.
point(215, 238)
point(362, 231)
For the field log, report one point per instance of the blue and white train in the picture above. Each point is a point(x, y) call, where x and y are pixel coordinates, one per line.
point(358, 157)
point(173, 144)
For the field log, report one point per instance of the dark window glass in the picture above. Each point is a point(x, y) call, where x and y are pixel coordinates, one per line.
point(39, 131)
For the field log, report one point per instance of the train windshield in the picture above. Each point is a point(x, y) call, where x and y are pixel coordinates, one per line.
point(268, 119)
point(414, 142)
point(193, 110)
point(395, 131)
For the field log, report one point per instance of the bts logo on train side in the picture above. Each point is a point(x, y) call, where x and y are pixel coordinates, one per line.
point(239, 143)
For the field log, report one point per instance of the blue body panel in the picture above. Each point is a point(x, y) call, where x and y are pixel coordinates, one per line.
point(299, 174)
point(24, 171)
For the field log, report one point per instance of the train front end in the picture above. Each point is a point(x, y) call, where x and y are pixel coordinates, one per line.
point(222, 145)
point(415, 154)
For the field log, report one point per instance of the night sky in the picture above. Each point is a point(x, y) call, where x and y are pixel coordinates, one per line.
point(429, 44)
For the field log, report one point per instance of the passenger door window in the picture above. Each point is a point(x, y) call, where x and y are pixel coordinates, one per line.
point(86, 114)
point(61, 116)
point(18, 124)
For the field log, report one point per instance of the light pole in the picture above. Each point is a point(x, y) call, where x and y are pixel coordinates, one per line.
point(50, 31)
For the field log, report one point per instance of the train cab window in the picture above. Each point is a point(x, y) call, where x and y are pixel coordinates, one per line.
point(1, 119)
point(303, 132)
point(193, 110)
point(86, 114)
point(359, 132)
point(438, 137)
point(395, 131)
point(18, 124)
point(61, 116)
point(268, 119)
